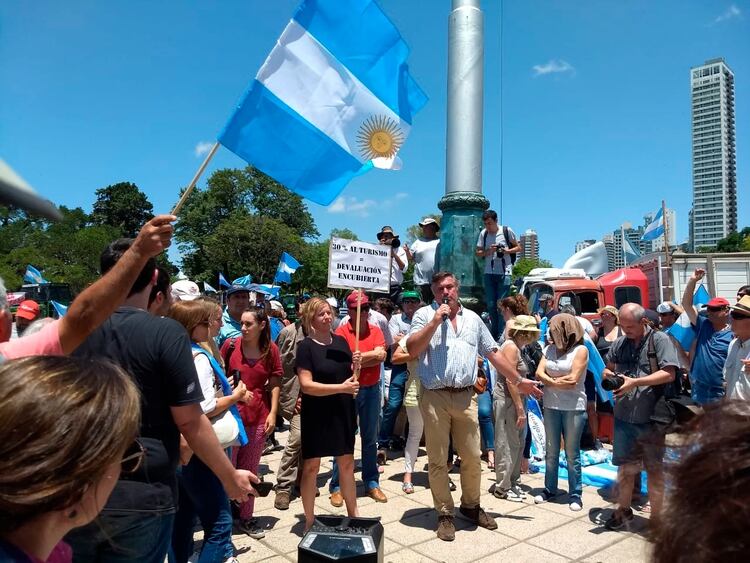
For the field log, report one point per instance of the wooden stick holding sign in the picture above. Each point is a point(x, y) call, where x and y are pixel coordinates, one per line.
point(359, 266)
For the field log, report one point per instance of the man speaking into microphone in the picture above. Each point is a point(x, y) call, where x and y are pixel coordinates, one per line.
point(447, 339)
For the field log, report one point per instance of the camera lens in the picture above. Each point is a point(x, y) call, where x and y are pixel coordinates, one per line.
point(395, 242)
point(612, 383)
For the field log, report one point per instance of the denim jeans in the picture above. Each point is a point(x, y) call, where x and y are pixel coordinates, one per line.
point(486, 422)
point(395, 398)
point(202, 495)
point(570, 424)
point(496, 287)
point(122, 537)
point(368, 412)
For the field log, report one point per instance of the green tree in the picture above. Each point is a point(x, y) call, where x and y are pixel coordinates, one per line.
point(523, 266)
point(122, 206)
point(735, 242)
point(230, 195)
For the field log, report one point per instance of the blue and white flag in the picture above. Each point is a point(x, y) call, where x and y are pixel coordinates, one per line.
point(701, 296)
point(655, 228)
point(287, 266)
point(60, 309)
point(269, 289)
point(244, 280)
point(596, 367)
point(631, 253)
point(682, 331)
point(33, 275)
point(333, 99)
point(207, 287)
point(223, 281)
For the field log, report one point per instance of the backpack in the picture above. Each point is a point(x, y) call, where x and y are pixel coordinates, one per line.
point(508, 239)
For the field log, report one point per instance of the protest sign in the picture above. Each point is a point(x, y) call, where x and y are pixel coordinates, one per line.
point(354, 264)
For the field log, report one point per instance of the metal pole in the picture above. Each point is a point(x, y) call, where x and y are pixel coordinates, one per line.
point(465, 97)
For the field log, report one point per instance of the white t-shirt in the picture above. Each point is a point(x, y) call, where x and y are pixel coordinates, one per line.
point(493, 264)
point(738, 380)
point(206, 379)
point(564, 399)
point(397, 274)
point(423, 252)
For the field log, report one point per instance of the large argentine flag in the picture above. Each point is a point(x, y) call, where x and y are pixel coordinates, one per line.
point(32, 275)
point(655, 228)
point(333, 99)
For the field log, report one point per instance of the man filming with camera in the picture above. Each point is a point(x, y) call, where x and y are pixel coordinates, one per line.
point(640, 365)
point(399, 262)
point(498, 245)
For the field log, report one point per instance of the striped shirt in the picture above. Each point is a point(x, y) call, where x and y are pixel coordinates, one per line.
point(451, 356)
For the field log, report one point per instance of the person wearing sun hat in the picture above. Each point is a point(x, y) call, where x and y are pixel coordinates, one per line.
point(424, 253)
point(737, 366)
point(712, 337)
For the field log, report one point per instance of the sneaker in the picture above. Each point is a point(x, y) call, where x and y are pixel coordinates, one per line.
point(575, 505)
point(479, 517)
point(282, 500)
point(268, 448)
point(382, 457)
point(544, 496)
point(621, 518)
point(500, 493)
point(446, 531)
point(251, 528)
point(451, 485)
point(232, 560)
point(515, 494)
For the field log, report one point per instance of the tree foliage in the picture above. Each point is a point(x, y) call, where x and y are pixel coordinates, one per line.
point(211, 232)
point(523, 266)
point(735, 242)
point(122, 206)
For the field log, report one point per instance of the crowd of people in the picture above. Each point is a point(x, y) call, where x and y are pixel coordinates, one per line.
point(151, 405)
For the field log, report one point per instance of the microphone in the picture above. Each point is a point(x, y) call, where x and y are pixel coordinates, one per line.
point(445, 302)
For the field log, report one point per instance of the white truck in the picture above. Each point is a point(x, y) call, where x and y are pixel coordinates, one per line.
point(725, 274)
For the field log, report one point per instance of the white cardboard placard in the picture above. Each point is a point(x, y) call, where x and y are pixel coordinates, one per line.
point(353, 264)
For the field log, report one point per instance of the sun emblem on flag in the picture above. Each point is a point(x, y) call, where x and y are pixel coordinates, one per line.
point(379, 136)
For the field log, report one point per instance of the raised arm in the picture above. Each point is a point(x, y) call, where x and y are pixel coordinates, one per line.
point(97, 302)
point(687, 295)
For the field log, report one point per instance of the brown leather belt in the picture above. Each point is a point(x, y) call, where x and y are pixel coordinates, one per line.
point(454, 389)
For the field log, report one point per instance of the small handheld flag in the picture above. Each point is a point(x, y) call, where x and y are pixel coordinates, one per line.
point(701, 296)
point(223, 281)
point(287, 266)
point(244, 280)
point(33, 275)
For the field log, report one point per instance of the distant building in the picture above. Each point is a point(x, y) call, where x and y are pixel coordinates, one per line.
point(714, 160)
point(609, 245)
point(581, 244)
point(529, 245)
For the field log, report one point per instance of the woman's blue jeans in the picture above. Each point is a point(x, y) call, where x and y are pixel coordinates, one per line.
point(570, 424)
point(486, 421)
point(202, 495)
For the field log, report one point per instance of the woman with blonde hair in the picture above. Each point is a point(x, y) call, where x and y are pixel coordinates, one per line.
point(562, 370)
point(68, 429)
point(325, 366)
point(509, 407)
point(201, 492)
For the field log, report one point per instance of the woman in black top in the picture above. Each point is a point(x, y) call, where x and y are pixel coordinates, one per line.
point(328, 417)
point(609, 331)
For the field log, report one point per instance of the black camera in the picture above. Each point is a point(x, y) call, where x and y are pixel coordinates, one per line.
point(395, 242)
point(500, 250)
point(613, 383)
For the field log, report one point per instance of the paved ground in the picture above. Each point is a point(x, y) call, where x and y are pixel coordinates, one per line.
point(548, 532)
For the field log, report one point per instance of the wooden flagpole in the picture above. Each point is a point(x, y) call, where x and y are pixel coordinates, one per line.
point(667, 256)
point(195, 179)
point(356, 331)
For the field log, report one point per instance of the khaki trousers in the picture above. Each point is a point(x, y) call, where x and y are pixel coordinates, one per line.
point(452, 414)
point(290, 459)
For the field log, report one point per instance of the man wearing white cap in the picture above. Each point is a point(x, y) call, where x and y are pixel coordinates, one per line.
point(424, 254)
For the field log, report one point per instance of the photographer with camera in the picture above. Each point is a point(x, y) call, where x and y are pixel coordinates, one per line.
point(399, 262)
point(498, 245)
point(640, 366)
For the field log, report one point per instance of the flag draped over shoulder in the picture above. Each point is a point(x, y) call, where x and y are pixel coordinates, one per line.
point(333, 99)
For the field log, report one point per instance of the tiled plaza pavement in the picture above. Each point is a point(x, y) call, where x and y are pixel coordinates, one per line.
point(548, 532)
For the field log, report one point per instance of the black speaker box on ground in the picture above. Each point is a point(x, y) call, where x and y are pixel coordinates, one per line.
point(339, 538)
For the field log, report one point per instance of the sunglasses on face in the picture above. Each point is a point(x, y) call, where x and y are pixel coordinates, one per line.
point(133, 458)
point(715, 309)
point(738, 316)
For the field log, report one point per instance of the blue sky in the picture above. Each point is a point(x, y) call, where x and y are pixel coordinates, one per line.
point(595, 104)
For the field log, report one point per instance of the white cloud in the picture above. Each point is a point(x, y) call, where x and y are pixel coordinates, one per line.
point(400, 195)
point(202, 148)
point(732, 12)
point(352, 205)
point(554, 66)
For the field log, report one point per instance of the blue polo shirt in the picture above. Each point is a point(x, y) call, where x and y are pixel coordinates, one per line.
point(706, 371)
